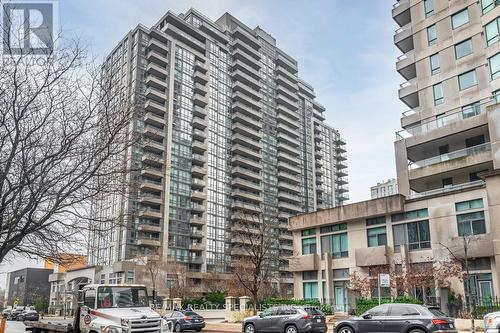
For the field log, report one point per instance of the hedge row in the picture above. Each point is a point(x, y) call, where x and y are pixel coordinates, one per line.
point(364, 304)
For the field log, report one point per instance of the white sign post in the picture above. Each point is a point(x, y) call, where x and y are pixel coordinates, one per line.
point(384, 280)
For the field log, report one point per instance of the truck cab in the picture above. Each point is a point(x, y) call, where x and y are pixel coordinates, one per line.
point(117, 308)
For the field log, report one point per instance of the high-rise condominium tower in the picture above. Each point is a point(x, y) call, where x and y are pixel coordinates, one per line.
point(227, 128)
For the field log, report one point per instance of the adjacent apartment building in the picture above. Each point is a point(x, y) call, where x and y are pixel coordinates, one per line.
point(383, 189)
point(27, 286)
point(228, 130)
point(448, 171)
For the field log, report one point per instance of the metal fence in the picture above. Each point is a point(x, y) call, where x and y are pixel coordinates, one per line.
point(478, 307)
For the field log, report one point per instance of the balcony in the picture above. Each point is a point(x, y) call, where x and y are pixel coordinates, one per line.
point(157, 57)
point(294, 198)
point(200, 100)
point(197, 220)
point(246, 195)
point(157, 70)
point(198, 195)
point(200, 66)
point(248, 110)
point(246, 151)
point(150, 185)
point(254, 104)
point(307, 262)
point(284, 73)
point(289, 207)
point(241, 33)
point(287, 177)
point(289, 158)
point(246, 89)
point(288, 187)
point(149, 228)
point(246, 131)
point(196, 233)
point(291, 141)
point(198, 160)
point(199, 134)
point(156, 94)
point(477, 183)
point(284, 128)
point(246, 174)
point(200, 88)
point(288, 120)
point(405, 65)
point(239, 75)
point(245, 184)
point(245, 206)
point(156, 45)
point(198, 171)
point(196, 207)
point(450, 157)
point(480, 246)
point(246, 162)
point(148, 242)
point(372, 256)
point(199, 111)
point(155, 120)
point(246, 58)
point(286, 62)
point(246, 48)
point(153, 146)
point(287, 102)
point(238, 64)
point(152, 158)
point(408, 93)
point(341, 181)
point(197, 246)
point(292, 95)
point(155, 107)
point(401, 12)
point(199, 123)
point(292, 169)
point(158, 83)
point(403, 38)
point(152, 172)
point(197, 183)
point(294, 151)
point(198, 147)
point(247, 121)
point(200, 77)
point(245, 141)
point(286, 82)
point(151, 213)
point(293, 116)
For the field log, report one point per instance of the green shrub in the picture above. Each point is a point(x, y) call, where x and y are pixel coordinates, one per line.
point(325, 308)
point(364, 304)
point(481, 310)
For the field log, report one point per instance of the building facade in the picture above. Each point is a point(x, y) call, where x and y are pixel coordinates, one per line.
point(448, 171)
point(227, 129)
point(383, 189)
point(27, 286)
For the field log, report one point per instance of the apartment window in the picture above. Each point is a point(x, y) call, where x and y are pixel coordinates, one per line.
point(463, 49)
point(375, 220)
point(309, 245)
point(491, 31)
point(309, 275)
point(333, 228)
point(467, 205)
point(471, 224)
point(431, 35)
point(495, 66)
point(410, 215)
point(310, 290)
point(487, 5)
point(474, 176)
point(471, 110)
point(308, 232)
point(460, 18)
point(447, 182)
point(437, 89)
point(130, 277)
point(377, 236)
point(341, 273)
point(336, 244)
point(415, 234)
point(429, 7)
point(467, 80)
point(435, 66)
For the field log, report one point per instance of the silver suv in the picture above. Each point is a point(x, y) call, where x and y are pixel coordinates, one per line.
point(287, 319)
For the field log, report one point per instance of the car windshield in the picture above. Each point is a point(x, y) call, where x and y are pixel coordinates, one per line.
point(437, 312)
point(314, 312)
point(122, 297)
point(190, 313)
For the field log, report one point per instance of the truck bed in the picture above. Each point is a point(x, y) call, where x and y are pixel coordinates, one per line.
point(36, 326)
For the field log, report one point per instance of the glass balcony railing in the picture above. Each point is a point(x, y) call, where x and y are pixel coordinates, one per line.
point(451, 156)
point(459, 114)
point(415, 195)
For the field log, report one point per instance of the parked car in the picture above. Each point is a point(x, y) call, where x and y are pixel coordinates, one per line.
point(6, 313)
point(14, 313)
point(29, 315)
point(288, 319)
point(398, 318)
point(185, 320)
point(492, 322)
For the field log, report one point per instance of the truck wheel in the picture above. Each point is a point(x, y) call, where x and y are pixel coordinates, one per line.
point(177, 327)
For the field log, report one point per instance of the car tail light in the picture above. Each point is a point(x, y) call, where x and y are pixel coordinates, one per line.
point(440, 322)
point(306, 316)
point(187, 318)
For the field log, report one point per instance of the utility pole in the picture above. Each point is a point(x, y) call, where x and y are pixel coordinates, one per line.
point(469, 294)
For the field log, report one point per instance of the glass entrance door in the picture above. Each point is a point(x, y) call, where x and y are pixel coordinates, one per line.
point(340, 299)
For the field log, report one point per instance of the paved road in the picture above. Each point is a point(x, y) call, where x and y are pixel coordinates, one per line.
point(15, 327)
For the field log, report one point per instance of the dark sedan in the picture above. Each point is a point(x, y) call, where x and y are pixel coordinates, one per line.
point(398, 318)
point(287, 319)
point(185, 321)
point(28, 315)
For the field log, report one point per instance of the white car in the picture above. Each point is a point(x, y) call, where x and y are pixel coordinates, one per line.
point(492, 322)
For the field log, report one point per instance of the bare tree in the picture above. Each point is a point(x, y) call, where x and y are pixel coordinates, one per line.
point(63, 131)
point(255, 250)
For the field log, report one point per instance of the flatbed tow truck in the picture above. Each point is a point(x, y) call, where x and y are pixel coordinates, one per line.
point(109, 308)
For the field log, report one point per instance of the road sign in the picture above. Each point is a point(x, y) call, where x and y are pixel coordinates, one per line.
point(384, 280)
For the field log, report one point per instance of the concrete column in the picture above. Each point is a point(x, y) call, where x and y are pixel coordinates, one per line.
point(244, 300)
point(493, 112)
point(177, 303)
point(402, 167)
point(329, 279)
point(230, 305)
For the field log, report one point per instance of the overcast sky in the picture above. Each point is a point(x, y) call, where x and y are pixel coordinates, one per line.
point(344, 49)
